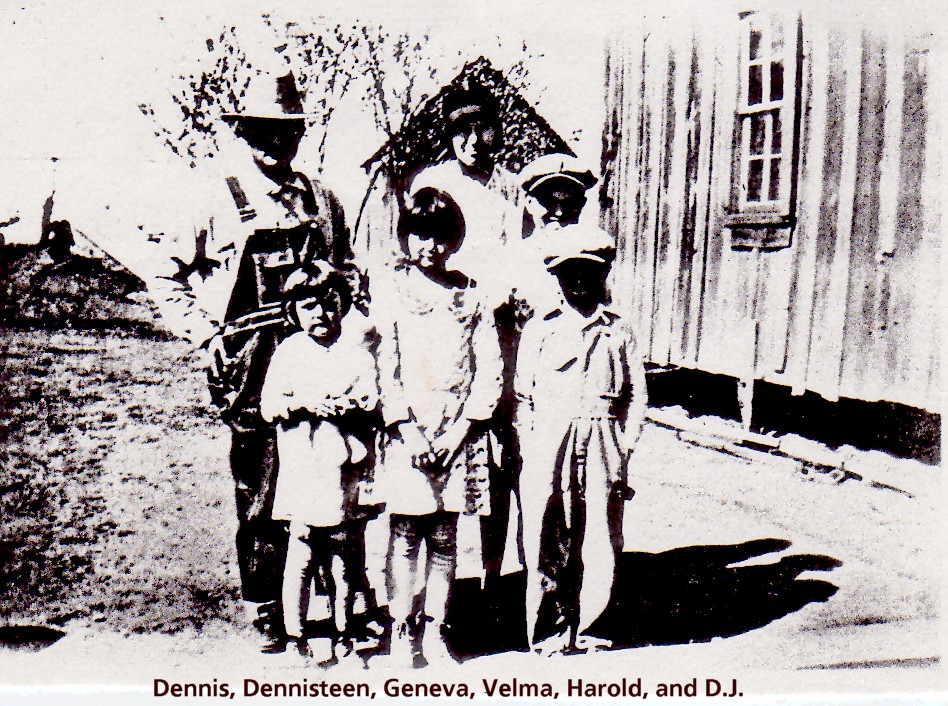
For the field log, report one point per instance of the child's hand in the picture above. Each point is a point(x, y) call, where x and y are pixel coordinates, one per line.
point(623, 490)
point(214, 357)
point(274, 408)
point(324, 408)
point(413, 440)
point(445, 446)
point(315, 410)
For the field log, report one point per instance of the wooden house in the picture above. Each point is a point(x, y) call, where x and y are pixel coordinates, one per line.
point(772, 182)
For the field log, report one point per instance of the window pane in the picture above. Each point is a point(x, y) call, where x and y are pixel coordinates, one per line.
point(776, 80)
point(774, 190)
point(776, 140)
point(757, 134)
point(754, 43)
point(754, 84)
point(776, 34)
point(755, 178)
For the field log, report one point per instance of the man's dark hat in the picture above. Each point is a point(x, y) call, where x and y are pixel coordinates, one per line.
point(271, 97)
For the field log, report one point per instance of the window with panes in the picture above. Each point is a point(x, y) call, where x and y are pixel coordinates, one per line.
point(766, 120)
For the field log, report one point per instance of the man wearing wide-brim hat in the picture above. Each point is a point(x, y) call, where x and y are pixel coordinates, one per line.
point(270, 220)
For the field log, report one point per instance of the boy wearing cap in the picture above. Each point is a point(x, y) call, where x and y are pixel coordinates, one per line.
point(554, 187)
point(581, 383)
point(269, 220)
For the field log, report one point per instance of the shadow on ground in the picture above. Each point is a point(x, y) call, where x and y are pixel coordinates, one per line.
point(30, 638)
point(687, 594)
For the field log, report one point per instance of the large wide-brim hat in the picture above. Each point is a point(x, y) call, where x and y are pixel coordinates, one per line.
point(271, 97)
point(578, 241)
point(556, 166)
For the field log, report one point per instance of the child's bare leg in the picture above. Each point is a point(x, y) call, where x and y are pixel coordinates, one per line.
point(442, 558)
point(341, 603)
point(296, 580)
point(403, 566)
point(354, 559)
point(340, 597)
point(337, 579)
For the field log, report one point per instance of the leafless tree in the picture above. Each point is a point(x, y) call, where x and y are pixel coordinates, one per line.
point(198, 99)
point(393, 73)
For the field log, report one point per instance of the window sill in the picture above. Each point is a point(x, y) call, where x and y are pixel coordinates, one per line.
point(761, 237)
point(757, 219)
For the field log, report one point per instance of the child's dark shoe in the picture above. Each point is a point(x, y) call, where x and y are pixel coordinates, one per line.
point(271, 645)
point(301, 647)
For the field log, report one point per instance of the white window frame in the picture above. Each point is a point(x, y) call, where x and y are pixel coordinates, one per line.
point(766, 211)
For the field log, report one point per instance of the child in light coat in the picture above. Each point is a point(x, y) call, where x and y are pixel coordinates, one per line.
point(580, 387)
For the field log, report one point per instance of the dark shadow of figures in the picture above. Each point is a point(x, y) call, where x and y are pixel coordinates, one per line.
point(680, 596)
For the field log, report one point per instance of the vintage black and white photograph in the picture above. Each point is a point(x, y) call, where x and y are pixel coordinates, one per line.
point(537, 352)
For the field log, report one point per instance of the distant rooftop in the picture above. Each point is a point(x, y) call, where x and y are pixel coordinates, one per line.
point(421, 140)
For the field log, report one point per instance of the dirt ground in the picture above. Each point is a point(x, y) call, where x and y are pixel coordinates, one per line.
point(118, 520)
point(117, 511)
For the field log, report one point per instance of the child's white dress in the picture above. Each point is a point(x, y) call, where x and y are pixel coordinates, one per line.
point(303, 377)
point(439, 361)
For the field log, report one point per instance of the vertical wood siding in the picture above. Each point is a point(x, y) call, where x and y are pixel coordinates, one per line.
point(850, 307)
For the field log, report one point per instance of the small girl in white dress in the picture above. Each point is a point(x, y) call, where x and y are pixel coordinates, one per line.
point(316, 376)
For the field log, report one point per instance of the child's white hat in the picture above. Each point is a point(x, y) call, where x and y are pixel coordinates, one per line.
point(556, 166)
point(579, 241)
